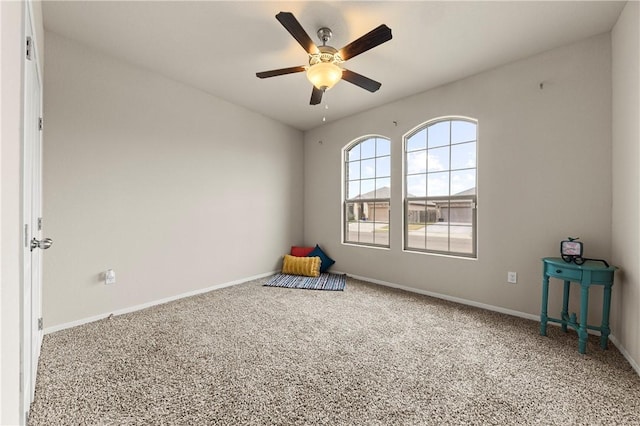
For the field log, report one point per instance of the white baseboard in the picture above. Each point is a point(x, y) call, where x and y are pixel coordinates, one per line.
point(499, 309)
point(624, 352)
point(451, 298)
point(152, 303)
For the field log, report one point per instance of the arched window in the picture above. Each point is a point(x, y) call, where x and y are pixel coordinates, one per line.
point(440, 195)
point(367, 191)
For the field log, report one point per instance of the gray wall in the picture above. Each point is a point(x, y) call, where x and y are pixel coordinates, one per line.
point(544, 173)
point(174, 189)
point(146, 186)
point(626, 178)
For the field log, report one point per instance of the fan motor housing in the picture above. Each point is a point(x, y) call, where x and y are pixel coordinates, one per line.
point(326, 54)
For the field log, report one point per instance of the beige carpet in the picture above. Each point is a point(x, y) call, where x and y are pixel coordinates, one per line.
point(253, 355)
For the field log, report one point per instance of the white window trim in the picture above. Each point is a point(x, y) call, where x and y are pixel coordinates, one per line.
point(405, 199)
point(344, 183)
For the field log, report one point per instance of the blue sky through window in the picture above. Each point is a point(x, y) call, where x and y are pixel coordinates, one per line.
point(441, 159)
point(369, 168)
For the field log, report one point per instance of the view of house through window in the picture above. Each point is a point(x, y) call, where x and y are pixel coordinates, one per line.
point(367, 171)
point(440, 188)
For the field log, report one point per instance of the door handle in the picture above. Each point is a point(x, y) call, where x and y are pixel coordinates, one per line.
point(41, 244)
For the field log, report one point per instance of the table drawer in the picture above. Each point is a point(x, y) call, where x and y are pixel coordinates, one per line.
point(567, 274)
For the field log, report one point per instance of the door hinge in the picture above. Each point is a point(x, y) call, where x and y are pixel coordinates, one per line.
point(39, 224)
point(40, 123)
point(29, 47)
point(26, 235)
point(40, 323)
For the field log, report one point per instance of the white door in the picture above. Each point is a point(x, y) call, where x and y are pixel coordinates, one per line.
point(32, 219)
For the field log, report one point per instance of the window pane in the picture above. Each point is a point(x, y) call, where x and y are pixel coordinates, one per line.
point(353, 236)
point(368, 169)
point(461, 239)
point(447, 168)
point(367, 188)
point(383, 166)
point(351, 215)
point(383, 147)
point(379, 213)
point(417, 162)
point(438, 184)
point(461, 212)
point(439, 134)
point(463, 156)
point(463, 182)
point(417, 217)
point(416, 211)
point(368, 177)
point(354, 153)
point(417, 186)
point(438, 236)
point(368, 148)
point(350, 212)
point(438, 159)
point(416, 238)
point(463, 131)
point(362, 211)
point(353, 172)
point(354, 190)
point(366, 231)
point(441, 209)
point(382, 236)
point(383, 188)
point(417, 141)
point(380, 222)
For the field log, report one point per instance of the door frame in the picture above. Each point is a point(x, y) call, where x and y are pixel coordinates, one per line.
point(31, 286)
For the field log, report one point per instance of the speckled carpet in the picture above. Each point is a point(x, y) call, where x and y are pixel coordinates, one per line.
point(254, 355)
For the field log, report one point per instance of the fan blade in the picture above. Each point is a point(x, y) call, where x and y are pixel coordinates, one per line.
point(368, 41)
point(295, 29)
point(360, 80)
point(316, 96)
point(282, 71)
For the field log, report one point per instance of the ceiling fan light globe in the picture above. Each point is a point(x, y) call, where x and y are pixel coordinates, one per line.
point(324, 75)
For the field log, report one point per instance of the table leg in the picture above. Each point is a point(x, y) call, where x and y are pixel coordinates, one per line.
point(545, 301)
point(583, 336)
point(606, 306)
point(565, 306)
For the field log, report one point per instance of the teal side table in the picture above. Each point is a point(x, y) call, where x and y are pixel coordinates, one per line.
point(588, 274)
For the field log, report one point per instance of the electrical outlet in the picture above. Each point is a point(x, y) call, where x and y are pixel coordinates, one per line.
point(512, 277)
point(109, 276)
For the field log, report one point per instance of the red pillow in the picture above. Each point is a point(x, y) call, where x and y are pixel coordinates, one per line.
point(301, 251)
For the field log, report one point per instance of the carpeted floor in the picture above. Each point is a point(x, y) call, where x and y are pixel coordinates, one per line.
point(254, 355)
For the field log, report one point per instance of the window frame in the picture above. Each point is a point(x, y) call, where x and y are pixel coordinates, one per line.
point(472, 198)
point(371, 200)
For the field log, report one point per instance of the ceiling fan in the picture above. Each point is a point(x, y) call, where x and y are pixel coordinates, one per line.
point(324, 69)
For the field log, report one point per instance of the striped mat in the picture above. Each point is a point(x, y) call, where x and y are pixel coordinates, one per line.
point(325, 281)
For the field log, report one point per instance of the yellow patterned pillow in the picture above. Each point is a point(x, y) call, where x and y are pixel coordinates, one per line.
point(307, 266)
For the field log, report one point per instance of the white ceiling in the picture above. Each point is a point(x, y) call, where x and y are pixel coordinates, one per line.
point(218, 46)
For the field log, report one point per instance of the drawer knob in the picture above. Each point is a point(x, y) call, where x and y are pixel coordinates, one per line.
point(558, 271)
